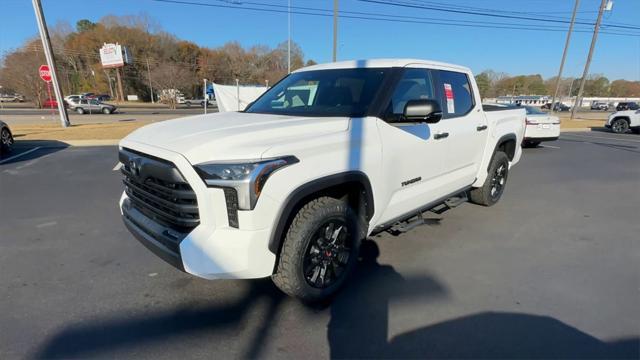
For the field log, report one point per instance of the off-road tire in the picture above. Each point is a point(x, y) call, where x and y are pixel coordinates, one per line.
point(483, 195)
point(6, 141)
point(289, 275)
point(620, 125)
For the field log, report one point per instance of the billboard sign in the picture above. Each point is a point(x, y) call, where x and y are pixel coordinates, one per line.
point(111, 55)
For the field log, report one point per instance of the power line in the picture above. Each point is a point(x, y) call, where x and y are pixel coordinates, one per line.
point(389, 18)
point(478, 13)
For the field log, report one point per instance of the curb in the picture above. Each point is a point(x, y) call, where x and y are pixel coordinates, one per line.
point(576, 130)
point(65, 143)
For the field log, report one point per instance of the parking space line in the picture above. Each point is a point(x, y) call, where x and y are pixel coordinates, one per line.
point(117, 167)
point(19, 155)
point(602, 137)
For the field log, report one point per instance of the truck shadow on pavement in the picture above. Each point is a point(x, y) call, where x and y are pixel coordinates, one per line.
point(358, 326)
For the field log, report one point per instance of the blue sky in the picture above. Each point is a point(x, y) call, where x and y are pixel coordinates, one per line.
point(505, 50)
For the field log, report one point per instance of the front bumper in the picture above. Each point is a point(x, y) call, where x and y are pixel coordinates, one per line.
point(213, 249)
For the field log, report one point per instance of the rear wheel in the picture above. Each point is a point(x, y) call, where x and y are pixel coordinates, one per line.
point(619, 126)
point(319, 250)
point(494, 185)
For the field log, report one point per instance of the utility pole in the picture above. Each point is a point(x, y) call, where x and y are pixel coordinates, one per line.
point(335, 30)
point(289, 38)
point(205, 98)
point(119, 80)
point(150, 87)
point(48, 53)
point(109, 81)
point(564, 55)
point(578, 101)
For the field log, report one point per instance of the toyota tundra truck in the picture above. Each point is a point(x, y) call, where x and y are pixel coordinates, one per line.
point(331, 154)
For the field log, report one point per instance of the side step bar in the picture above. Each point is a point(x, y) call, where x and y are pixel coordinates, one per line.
point(417, 220)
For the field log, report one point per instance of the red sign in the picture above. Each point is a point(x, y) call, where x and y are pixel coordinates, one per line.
point(45, 74)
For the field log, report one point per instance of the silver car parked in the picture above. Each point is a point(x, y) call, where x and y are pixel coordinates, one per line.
point(90, 106)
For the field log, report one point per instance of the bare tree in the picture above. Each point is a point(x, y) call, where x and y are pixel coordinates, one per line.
point(20, 73)
point(171, 79)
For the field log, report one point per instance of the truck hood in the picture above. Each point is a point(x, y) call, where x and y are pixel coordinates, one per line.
point(232, 135)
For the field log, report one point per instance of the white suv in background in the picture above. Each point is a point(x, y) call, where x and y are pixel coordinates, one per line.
point(621, 122)
point(332, 153)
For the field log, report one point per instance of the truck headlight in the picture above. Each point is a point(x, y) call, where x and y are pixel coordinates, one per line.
point(247, 178)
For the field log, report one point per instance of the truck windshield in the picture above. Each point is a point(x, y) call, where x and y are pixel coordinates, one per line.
point(338, 92)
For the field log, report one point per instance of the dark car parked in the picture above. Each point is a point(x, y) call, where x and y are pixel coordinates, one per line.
point(6, 138)
point(557, 107)
point(631, 105)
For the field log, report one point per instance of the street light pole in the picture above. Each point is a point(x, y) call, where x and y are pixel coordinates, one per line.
point(150, 87)
point(603, 4)
point(564, 54)
point(48, 54)
point(289, 38)
point(335, 30)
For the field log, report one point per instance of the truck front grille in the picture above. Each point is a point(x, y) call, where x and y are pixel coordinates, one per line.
point(157, 189)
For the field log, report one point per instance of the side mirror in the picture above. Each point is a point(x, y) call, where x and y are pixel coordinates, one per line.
point(427, 111)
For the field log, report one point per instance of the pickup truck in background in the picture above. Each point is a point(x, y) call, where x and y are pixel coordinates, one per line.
point(621, 122)
point(331, 154)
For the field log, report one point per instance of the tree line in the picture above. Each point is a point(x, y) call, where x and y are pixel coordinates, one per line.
point(492, 84)
point(158, 57)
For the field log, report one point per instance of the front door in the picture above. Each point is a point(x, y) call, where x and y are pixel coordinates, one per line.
point(413, 160)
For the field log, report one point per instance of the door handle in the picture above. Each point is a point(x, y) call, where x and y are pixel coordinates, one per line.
point(481, 128)
point(441, 135)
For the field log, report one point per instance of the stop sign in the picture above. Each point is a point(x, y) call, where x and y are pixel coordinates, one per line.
point(45, 74)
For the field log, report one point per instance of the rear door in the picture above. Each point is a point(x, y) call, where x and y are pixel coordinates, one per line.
point(463, 127)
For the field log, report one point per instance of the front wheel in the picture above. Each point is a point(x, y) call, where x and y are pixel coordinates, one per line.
point(620, 126)
point(106, 111)
point(494, 185)
point(320, 249)
point(80, 110)
point(6, 140)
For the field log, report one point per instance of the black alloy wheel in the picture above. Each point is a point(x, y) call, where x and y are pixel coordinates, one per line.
point(327, 256)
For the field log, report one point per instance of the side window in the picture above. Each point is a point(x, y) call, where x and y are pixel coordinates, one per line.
point(457, 98)
point(415, 84)
point(83, 102)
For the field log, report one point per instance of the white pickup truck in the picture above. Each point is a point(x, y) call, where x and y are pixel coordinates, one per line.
point(332, 153)
point(622, 121)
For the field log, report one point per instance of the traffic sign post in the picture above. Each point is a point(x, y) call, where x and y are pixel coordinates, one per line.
point(45, 75)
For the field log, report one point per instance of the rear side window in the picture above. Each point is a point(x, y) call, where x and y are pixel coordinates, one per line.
point(457, 99)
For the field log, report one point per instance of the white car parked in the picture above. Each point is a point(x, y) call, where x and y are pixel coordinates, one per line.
point(332, 153)
point(541, 126)
point(622, 121)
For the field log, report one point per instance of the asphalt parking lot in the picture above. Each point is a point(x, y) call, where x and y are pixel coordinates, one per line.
point(551, 271)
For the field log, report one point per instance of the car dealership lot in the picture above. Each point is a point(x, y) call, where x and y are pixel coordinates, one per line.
point(551, 271)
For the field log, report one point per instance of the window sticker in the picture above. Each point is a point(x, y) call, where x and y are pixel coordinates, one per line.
point(448, 93)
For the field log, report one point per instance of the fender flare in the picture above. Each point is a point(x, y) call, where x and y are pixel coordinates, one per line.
point(312, 187)
point(503, 139)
